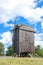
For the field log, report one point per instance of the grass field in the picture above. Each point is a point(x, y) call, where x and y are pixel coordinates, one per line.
point(21, 61)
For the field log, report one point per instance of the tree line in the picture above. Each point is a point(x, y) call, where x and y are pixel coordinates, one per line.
point(2, 50)
point(9, 52)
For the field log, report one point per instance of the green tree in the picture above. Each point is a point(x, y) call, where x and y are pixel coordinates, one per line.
point(1, 48)
point(39, 50)
point(9, 51)
point(42, 52)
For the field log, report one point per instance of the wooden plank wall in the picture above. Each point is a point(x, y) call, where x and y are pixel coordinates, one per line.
point(26, 41)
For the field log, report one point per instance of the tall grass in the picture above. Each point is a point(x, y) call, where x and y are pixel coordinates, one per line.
point(21, 61)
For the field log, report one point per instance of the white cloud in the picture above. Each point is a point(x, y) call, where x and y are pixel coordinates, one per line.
point(34, 15)
point(39, 39)
point(39, 36)
point(11, 8)
point(8, 25)
point(6, 38)
point(5, 50)
point(42, 25)
point(39, 43)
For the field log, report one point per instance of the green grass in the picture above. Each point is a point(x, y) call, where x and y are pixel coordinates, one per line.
point(21, 61)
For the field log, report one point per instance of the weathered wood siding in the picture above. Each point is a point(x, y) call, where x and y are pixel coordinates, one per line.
point(32, 42)
point(16, 41)
point(26, 41)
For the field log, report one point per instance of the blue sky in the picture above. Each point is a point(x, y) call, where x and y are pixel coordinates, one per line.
point(27, 12)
